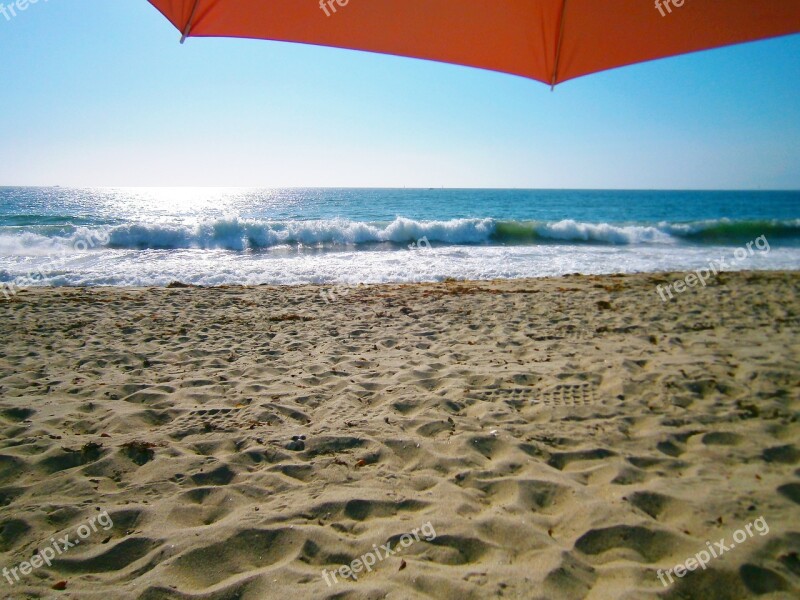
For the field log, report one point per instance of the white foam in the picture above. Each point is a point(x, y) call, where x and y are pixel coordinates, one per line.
point(288, 266)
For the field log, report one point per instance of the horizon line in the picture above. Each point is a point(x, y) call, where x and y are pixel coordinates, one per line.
point(424, 188)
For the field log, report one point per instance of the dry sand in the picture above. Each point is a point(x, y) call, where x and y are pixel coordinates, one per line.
point(565, 438)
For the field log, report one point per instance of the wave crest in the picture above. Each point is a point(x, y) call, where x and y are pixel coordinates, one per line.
point(242, 235)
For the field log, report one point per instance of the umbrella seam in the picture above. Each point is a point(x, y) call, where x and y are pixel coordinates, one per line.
point(187, 30)
point(553, 81)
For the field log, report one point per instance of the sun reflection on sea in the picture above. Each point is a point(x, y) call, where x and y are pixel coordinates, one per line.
point(186, 204)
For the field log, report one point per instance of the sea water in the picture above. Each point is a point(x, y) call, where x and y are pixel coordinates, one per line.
point(212, 236)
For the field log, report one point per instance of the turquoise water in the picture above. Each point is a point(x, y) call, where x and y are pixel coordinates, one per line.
point(213, 236)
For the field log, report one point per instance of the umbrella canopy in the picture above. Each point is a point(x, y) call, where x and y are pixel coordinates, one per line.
point(547, 40)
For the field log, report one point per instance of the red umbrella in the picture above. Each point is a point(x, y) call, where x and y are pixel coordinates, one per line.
point(548, 40)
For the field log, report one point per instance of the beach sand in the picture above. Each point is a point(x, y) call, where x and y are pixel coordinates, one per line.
point(564, 438)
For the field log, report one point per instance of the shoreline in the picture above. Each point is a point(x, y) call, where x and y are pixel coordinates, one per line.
point(178, 284)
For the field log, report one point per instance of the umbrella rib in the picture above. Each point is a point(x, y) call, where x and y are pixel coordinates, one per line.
point(188, 27)
point(553, 81)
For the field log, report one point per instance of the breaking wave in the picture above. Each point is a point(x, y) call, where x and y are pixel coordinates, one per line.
point(243, 235)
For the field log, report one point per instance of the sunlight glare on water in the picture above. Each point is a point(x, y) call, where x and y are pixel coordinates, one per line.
point(183, 204)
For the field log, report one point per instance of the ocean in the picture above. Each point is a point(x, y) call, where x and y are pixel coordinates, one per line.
point(154, 236)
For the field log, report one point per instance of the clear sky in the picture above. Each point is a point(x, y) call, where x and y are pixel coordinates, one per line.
point(101, 93)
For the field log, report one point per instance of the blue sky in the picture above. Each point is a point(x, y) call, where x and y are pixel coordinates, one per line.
point(102, 93)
